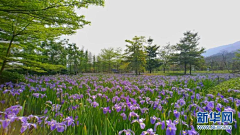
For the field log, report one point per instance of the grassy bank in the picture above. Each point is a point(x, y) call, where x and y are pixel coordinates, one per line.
point(227, 88)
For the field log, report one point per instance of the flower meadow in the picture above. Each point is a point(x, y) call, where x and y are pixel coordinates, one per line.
point(114, 104)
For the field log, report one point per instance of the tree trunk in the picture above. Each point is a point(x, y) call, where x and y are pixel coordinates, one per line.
point(164, 70)
point(185, 68)
point(70, 68)
point(5, 59)
point(109, 68)
point(190, 69)
point(150, 71)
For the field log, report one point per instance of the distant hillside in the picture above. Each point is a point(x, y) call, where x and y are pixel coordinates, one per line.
point(229, 48)
point(219, 58)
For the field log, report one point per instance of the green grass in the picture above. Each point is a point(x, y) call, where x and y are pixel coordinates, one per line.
point(217, 71)
point(166, 74)
point(179, 73)
point(223, 88)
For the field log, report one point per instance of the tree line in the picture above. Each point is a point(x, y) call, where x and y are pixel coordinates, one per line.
point(30, 43)
point(53, 56)
point(224, 61)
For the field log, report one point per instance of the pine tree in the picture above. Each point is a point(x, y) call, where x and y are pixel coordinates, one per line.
point(109, 56)
point(135, 54)
point(165, 56)
point(188, 51)
point(151, 55)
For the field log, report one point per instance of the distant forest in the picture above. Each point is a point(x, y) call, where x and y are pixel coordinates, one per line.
point(223, 61)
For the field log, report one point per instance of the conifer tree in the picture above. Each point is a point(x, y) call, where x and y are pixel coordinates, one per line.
point(135, 54)
point(188, 51)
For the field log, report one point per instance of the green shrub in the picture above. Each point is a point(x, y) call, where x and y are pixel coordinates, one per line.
point(224, 87)
point(7, 76)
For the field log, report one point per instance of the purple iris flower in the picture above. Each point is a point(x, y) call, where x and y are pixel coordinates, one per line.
point(50, 102)
point(133, 114)
point(176, 113)
point(192, 97)
point(134, 107)
point(184, 132)
point(127, 132)
point(52, 124)
point(149, 132)
point(198, 96)
point(225, 100)
point(142, 101)
point(218, 107)
point(171, 129)
point(237, 91)
point(155, 126)
point(229, 109)
point(231, 98)
point(229, 131)
point(43, 95)
point(58, 114)
point(95, 104)
point(163, 125)
point(124, 116)
point(45, 111)
point(23, 119)
point(36, 95)
point(144, 110)
point(43, 89)
point(60, 127)
point(140, 121)
point(118, 108)
point(181, 102)
point(192, 131)
point(33, 116)
point(56, 107)
point(62, 102)
point(176, 105)
point(26, 126)
point(159, 107)
point(153, 119)
point(3, 101)
point(5, 123)
point(13, 109)
point(210, 95)
point(210, 105)
point(69, 121)
point(184, 123)
point(106, 110)
point(176, 121)
point(89, 100)
point(155, 105)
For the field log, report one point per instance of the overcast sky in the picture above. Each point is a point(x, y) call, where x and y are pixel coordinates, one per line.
point(216, 21)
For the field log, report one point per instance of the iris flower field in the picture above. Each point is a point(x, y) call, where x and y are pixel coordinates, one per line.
point(114, 104)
